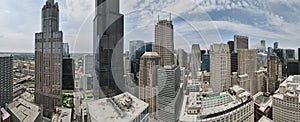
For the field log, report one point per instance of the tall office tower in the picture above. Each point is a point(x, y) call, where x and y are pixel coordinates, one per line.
point(6, 79)
point(292, 67)
point(282, 55)
point(260, 82)
point(220, 67)
point(240, 42)
point(205, 62)
point(168, 81)
point(231, 46)
point(270, 51)
point(88, 64)
point(182, 58)
point(286, 101)
point(262, 60)
point(164, 41)
point(290, 54)
point(108, 47)
point(127, 63)
point(195, 61)
point(273, 73)
point(247, 64)
point(66, 52)
point(263, 46)
point(202, 52)
point(135, 45)
point(147, 86)
point(68, 77)
point(234, 62)
point(48, 60)
point(275, 45)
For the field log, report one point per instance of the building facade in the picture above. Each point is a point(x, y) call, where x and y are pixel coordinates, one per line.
point(108, 47)
point(220, 67)
point(147, 84)
point(240, 42)
point(286, 107)
point(182, 58)
point(195, 60)
point(48, 60)
point(6, 79)
point(164, 41)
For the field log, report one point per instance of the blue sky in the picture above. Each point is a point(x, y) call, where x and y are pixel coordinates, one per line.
point(195, 21)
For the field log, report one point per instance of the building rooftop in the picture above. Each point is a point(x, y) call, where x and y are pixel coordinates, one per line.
point(4, 114)
point(62, 115)
point(265, 119)
point(24, 110)
point(150, 54)
point(5, 55)
point(124, 107)
point(290, 87)
point(262, 100)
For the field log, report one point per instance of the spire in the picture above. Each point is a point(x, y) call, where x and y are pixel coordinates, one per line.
point(158, 17)
point(170, 17)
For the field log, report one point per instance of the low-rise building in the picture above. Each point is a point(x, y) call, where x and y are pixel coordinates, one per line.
point(4, 116)
point(24, 111)
point(121, 108)
point(262, 105)
point(62, 115)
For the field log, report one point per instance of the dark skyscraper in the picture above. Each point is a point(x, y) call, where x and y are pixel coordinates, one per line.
point(108, 47)
point(231, 46)
point(6, 79)
point(48, 60)
point(68, 74)
point(275, 45)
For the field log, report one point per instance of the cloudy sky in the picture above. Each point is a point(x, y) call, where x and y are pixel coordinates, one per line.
point(195, 21)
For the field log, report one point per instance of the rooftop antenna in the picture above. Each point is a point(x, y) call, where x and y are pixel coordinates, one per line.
point(158, 17)
point(170, 17)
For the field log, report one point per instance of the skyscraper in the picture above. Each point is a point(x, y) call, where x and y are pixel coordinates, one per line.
point(164, 41)
point(263, 46)
point(247, 64)
point(48, 60)
point(275, 45)
point(231, 46)
point(182, 58)
point(240, 42)
point(274, 66)
point(195, 62)
point(108, 47)
point(220, 67)
point(147, 84)
point(135, 45)
point(205, 62)
point(66, 52)
point(6, 79)
point(168, 81)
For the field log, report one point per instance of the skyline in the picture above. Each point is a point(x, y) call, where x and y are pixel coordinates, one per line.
point(265, 20)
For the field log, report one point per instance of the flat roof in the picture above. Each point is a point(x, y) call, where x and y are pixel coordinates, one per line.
point(24, 110)
point(105, 109)
point(5, 114)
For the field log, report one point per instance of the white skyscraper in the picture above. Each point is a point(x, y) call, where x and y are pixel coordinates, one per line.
point(220, 67)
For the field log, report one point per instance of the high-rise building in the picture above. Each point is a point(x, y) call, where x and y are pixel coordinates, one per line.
point(274, 66)
point(66, 48)
point(240, 42)
point(220, 67)
point(6, 79)
point(292, 67)
point(234, 62)
point(262, 46)
point(164, 41)
point(275, 45)
point(136, 56)
point(168, 81)
point(286, 102)
point(205, 62)
point(247, 64)
point(108, 47)
point(270, 51)
point(290, 54)
point(68, 71)
point(182, 58)
point(195, 60)
point(48, 60)
point(135, 45)
point(231, 46)
point(147, 84)
point(262, 60)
